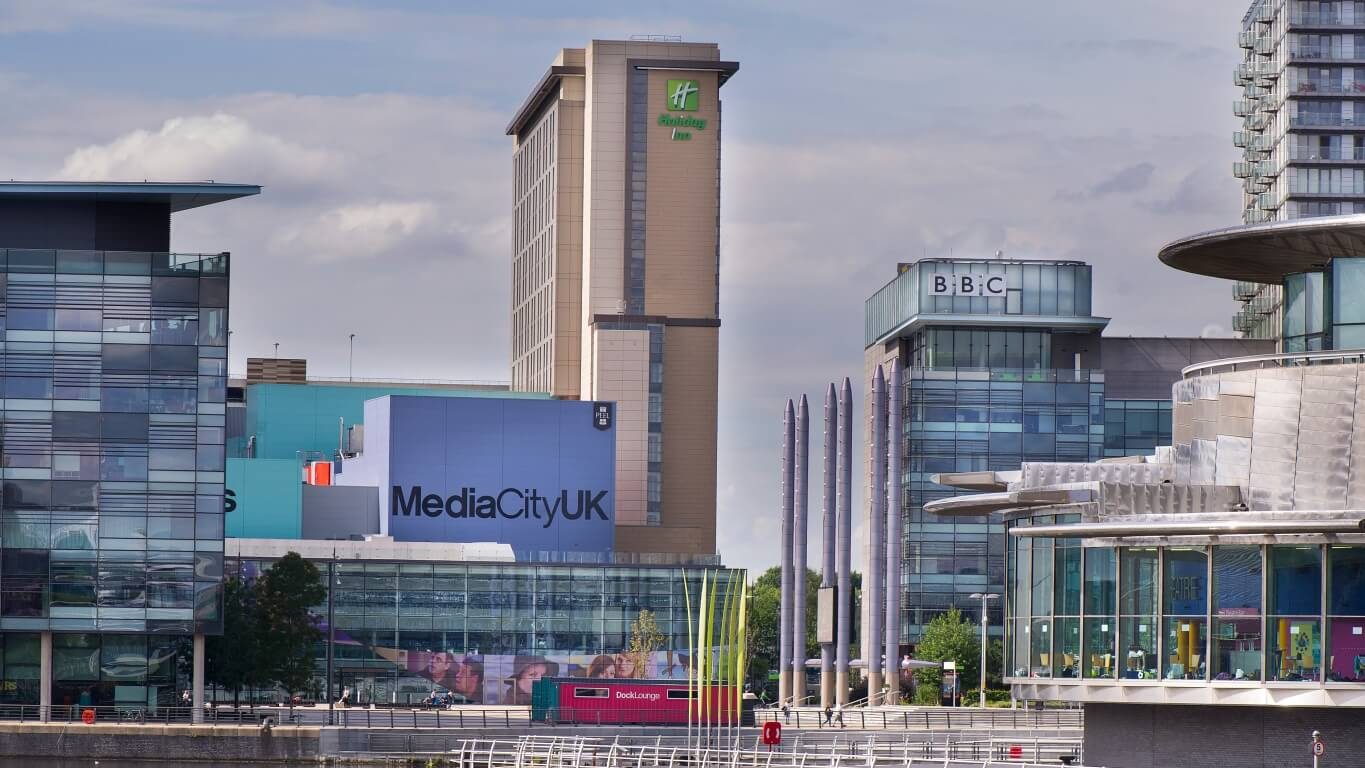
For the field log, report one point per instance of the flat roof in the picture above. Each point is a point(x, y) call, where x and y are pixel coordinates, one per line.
point(179, 195)
point(1266, 253)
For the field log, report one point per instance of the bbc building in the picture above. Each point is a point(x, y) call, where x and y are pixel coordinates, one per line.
point(1005, 362)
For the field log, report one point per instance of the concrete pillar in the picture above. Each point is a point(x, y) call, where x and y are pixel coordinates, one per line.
point(874, 583)
point(843, 550)
point(197, 681)
point(895, 434)
point(45, 676)
point(800, 560)
point(827, 538)
point(784, 641)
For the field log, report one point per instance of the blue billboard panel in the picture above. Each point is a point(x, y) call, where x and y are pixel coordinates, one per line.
point(538, 475)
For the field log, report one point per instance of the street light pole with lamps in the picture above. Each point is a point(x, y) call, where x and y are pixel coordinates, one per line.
point(984, 597)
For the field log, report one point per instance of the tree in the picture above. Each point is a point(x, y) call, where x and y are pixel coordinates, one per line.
point(765, 618)
point(232, 659)
point(949, 636)
point(288, 631)
point(645, 639)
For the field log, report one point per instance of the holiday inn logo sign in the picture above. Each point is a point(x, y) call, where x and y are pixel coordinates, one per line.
point(682, 96)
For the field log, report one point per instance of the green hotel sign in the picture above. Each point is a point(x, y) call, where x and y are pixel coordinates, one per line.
point(681, 96)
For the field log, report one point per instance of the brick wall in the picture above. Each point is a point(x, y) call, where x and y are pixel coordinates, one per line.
point(1157, 736)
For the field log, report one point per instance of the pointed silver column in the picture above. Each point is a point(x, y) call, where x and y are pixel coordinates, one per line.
point(801, 516)
point(895, 434)
point(873, 587)
point(843, 542)
point(784, 641)
point(827, 536)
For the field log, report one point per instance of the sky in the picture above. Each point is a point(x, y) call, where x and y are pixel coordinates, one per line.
point(857, 135)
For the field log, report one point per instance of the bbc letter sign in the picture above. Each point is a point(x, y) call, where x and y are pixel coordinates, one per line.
point(973, 284)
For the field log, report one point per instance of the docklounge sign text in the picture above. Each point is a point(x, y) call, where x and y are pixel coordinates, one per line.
point(509, 503)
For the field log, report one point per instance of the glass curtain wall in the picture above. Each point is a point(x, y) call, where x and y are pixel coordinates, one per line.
point(1185, 606)
point(484, 632)
point(1066, 604)
point(1295, 579)
point(1137, 612)
point(1346, 614)
point(114, 375)
point(1101, 619)
point(1237, 644)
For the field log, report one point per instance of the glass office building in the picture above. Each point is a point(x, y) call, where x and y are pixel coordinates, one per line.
point(1005, 363)
point(114, 370)
point(1217, 585)
point(483, 630)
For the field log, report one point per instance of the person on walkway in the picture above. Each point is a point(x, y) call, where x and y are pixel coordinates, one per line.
point(829, 715)
point(786, 713)
point(839, 713)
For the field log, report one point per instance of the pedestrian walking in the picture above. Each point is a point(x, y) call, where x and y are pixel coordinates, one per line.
point(839, 713)
point(786, 713)
point(829, 715)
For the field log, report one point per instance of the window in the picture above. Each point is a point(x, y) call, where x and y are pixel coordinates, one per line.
point(1184, 609)
point(1346, 614)
point(1236, 649)
point(1137, 612)
point(1295, 578)
point(680, 693)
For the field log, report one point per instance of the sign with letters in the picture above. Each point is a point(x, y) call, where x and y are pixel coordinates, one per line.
point(536, 474)
point(967, 284)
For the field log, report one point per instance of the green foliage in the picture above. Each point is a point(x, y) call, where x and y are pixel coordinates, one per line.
point(284, 596)
point(765, 607)
point(949, 636)
point(232, 659)
point(269, 631)
point(645, 639)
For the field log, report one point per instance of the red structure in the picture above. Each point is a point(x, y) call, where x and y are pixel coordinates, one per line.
point(586, 701)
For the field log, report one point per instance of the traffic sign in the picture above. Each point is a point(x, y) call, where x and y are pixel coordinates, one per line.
point(1319, 749)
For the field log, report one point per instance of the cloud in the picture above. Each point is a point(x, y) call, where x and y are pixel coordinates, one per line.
point(1134, 178)
point(195, 148)
point(1201, 191)
point(363, 230)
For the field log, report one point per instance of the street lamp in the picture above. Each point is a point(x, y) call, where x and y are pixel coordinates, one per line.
point(984, 597)
point(350, 361)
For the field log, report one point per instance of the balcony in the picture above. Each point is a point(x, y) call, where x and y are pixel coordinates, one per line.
point(1267, 202)
point(1246, 39)
point(1242, 169)
point(1326, 121)
point(1241, 139)
point(1303, 20)
point(1244, 73)
point(1256, 122)
point(1243, 290)
point(1319, 87)
point(1264, 46)
point(1264, 13)
point(1244, 107)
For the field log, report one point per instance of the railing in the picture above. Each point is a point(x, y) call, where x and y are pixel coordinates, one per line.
point(739, 750)
point(136, 714)
point(929, 718)
point(1257, 362)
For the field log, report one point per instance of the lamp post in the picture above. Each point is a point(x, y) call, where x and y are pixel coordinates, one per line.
point(350, 361)
point(985, 598)
point(331, 636)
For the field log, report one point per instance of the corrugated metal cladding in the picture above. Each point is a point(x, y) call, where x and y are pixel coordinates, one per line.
point(1144, 368)
point(1292, 438)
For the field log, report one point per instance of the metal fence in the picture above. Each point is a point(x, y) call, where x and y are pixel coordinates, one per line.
point(928, 718)
point(580, 752)
point(136, 714)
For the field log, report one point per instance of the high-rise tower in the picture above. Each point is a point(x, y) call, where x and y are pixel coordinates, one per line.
point(615, 267)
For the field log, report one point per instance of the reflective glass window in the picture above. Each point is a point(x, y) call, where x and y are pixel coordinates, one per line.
point(1346, 609)
point(1236, 649)
point(1295, 576)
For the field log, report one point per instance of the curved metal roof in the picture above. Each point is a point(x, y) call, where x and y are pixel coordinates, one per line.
point(1266, 253)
